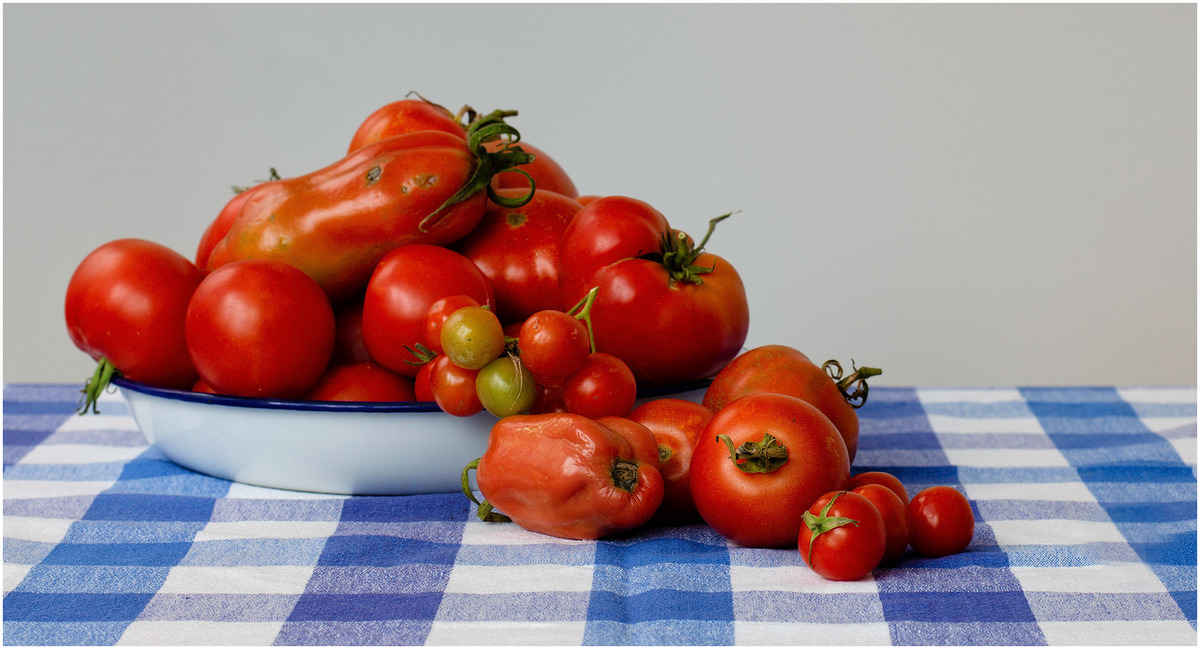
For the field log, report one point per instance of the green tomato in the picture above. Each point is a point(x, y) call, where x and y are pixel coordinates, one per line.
point(472, 337)
point(506, 387)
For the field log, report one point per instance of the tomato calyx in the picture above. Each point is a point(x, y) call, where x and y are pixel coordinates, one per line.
point(96, 385)
point(853, 386)
point(484, 509)
point(489, 163)
point(679, 254)
point(757, 457)
point(421, 354)
point(625, 475)
point(823, 523)
point(271, 175)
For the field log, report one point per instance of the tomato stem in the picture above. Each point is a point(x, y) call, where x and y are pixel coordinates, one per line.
point(422, 354)
point(485, 511)
point(823, 523)
point(854, 387)
point(679, 254)
point(584, 308)
point(757, 457)
point(95, 386)
point(625, 475)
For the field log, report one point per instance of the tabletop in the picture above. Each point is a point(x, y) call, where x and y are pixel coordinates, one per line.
point(1085, 502)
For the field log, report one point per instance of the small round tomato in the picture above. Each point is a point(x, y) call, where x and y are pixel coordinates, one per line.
point(546, 173)
point(882, 478)
point(453, 388)
point(403, 287)
point(843, 537)
point(940, 522)
point(895, 518)
point(405, 116)
point(260, 328)
point(423, 382)
point(676, 425)
point(517, 249)
point(505, 387)
point(603, 386)
point(548, 399)
point(553, 345)
point(126, 302)
point(435, 318)
point(760, 463)
point(361, 382)
point(472, 337)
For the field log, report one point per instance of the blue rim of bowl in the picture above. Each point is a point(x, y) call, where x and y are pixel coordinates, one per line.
point(649, 392)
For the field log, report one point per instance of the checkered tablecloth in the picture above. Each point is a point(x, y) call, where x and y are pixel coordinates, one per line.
point(1085, 500)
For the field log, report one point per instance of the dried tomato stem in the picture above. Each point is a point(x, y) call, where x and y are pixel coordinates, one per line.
point(854, 387)
point(95, 386)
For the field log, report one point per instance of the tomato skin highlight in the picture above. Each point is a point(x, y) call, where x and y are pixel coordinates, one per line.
point(940, 522)
point(848, 552)
point(127, 301)
point(766, 510)
point(677, 425)
point(259, 328)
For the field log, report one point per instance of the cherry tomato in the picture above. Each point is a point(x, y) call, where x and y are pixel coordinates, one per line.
point(435, 318)
point(843, 536)
point(895, 518)
point(472, 337)
point(603, 386)
point(348, 345)
point(553, 345)
point(260, 328)
point(940, 522)
point(517, 249)
point(361, 382)
point(760, 463)
point(126, 302)
point(546, 173)
point(880, 478)
point(405, 116)
point(404, 286)
point(423, 382)
point(677, 425)
point(505, 387)
point(201, 386)
point(549, 399)
point(453, 388)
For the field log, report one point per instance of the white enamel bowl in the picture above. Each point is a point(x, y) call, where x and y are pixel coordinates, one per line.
point(319, 446)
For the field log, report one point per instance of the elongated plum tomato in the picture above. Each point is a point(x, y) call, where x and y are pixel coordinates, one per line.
point(361, 382)
point(260, 328)
point(127, 302)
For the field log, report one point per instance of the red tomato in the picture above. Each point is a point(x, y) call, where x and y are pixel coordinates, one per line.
point(549, 399)
point(546, 173)
point(348, 345)
point(553, 345)
point(220, 227)
point(438, 313)
point(453, 388)
point(895, 518)
point(653, 310)
point(880, 478)
point(404, 286)
point(517, 249)
point(940, 522)
point(405, 116)
point(604, 386)
point(783, 370)
point(584, 200)
point(843, 537)
point(361, 382)
point(677, 425)
point(126, 302)
point(788, 454)
point(201, 386)
point(423, 383)
point(260, 328)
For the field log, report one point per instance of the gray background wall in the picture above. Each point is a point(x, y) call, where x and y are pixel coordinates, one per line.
point(964, 195)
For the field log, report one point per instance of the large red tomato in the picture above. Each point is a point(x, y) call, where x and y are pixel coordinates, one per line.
point(126, 302)
point(672, 312)
point(260, 328)
point(760, 463)
point(517, 249)
point(408, 281)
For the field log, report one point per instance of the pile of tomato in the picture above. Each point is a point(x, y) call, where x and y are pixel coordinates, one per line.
point(444, 259)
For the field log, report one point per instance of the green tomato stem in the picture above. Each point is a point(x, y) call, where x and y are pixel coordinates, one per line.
point(854, 387)
point(95, 386)
point(823, 523)
point(584, 309)
point(486, 512)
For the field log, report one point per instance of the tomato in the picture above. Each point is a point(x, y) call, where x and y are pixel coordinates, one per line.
point(671, 311)
point(760, 463)
point(423, 382)
point(517, 249)
point(882, 478)
point(473, 337)
point(677, 425)
point(549, 398)
point(407, 282)
point(361, 382)
point(843, 537)
point(603, 386)
point(940, 522)
point(435, 318)
point(505, 387)
point(453, 388)
point(201, 386)
point(895, 518)
point(783, 370)
point(126, 302)
point(405, 116)
point(219, 227)
point(546, 173)
point(553, 345)
point(585, 199)
point(259, 328)
point(348, 345)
